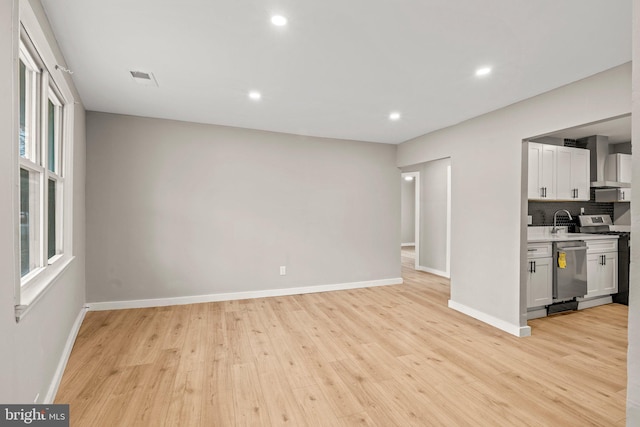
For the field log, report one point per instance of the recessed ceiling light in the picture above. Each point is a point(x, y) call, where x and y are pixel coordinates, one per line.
point(394, 116)
point(255, 95)
point(279, 20)
point(408, 178)
point(483, 71)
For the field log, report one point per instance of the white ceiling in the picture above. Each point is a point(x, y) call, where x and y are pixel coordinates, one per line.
point(339, 67)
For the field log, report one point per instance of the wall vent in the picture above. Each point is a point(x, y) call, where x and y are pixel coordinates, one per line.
point(144, 78)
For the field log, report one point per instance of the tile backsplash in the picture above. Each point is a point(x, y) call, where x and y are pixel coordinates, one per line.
point(542, 212)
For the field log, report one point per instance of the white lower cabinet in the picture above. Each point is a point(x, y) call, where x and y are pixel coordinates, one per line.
point(539, 282)
point(602, 274)
point(602, 271)
point(602, 267)
point(539, 275)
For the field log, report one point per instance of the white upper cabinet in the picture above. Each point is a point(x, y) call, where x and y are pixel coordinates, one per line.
point(558, 173)
point(563, 167)
point(617, 167)
point(542, 169)
point(581, 173)
point(572, 174)
point(535, 159)
point(613, 195)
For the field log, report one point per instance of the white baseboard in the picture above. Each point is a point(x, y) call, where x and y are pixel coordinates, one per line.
point(434, 271)
point(407, 244)
point(519, 331)
point(64, 358)
point(161, 302)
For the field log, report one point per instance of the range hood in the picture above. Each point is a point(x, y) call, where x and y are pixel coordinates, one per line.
point(605, 166)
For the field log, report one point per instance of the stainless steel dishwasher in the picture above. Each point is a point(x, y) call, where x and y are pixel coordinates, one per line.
point(569, 270)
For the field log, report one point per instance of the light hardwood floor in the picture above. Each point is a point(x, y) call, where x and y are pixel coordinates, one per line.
point(386, 356)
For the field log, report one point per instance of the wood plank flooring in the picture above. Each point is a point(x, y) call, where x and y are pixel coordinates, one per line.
point(385, 356)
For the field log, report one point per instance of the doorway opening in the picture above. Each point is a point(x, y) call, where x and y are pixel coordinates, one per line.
point(410, 219)
point(545, 155)
point(426, 204)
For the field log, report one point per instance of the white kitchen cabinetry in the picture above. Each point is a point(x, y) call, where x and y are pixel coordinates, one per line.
point(542, 169)
point(602, 267)
point(539, 275)
point(613, 195)
point(572, 173)
point(558, 173)
point(617, 167)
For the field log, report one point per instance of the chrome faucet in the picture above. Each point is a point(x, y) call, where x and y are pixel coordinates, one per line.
point(555, 229)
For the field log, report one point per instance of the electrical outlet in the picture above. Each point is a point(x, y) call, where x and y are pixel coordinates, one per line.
point(283, 270)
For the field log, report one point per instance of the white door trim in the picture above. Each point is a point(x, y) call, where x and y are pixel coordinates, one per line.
point(448, 259)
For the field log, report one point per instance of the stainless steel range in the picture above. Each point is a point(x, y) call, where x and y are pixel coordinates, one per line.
point(602, 224)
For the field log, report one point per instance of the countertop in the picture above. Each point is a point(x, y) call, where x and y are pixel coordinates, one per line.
point(543, 234)
point(565, 237)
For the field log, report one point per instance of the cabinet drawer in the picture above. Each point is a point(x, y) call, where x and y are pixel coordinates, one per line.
point(602, 246)
point(538, 250)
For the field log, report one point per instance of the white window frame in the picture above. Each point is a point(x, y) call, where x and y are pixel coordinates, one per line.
point(57, 175)
point(33, 49)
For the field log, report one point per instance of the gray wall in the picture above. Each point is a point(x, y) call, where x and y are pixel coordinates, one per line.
point(633, 357)
point(408, 211)
point(182, 209)
point(488, 236)
point(31, 349)
point(433, 210)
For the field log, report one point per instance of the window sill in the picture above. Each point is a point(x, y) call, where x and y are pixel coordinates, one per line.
point(37, 285)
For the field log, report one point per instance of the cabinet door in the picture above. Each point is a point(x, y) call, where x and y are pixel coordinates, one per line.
point(535, 163)
point(610, 274)
point(548, 171)
point(542, 170)
point(594, 275)
point(602, 274)
point(539, 282)
point(572, 174)
point(624, 194)
point(564, 187)
point(607, 195)
point(580, 174)
point(624, 168)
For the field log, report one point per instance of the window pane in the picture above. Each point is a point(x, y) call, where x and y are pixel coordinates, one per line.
point(24, 222)
point(29, 257)
point(51, 212)
point(51, 137)
point(23, 109)
point(28, 110)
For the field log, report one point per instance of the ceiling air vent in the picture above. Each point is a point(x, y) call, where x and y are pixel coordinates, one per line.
point(143, 78)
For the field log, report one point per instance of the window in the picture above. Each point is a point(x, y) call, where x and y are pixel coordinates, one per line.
point(44, 139)
point(31, 170)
